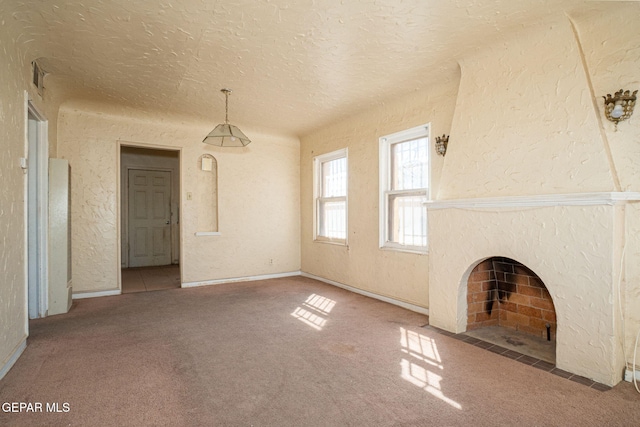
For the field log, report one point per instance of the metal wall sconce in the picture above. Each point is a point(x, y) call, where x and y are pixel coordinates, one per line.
point(619, 106)
point(441, 144)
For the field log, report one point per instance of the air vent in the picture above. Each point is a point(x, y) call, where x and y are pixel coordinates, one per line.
point(38, 77)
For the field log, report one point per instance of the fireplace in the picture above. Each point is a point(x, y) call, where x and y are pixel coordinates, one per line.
point(571, 243)
point(503, 292)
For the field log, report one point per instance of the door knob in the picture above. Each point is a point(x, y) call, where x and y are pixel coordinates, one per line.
point(167, 222)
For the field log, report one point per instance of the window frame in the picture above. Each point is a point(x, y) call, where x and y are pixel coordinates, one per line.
point(385, 193)
point(318, 161)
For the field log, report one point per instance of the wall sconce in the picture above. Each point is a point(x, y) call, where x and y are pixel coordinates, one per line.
point(441, 144)
point(619, 106)
point(207, 161)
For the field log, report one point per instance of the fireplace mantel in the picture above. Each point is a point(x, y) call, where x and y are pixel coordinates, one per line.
point(575, 199)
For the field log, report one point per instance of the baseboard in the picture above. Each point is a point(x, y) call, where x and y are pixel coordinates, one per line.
point(628, 375)
point(13, 357)
point(82, 295)
point(390, 300)
point(240, 279)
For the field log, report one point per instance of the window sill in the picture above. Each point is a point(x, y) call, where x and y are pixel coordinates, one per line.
point(405, 250)
point(340, 242)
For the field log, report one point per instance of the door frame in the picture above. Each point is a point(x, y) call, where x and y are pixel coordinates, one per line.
point(37, 295)
point(122, 197)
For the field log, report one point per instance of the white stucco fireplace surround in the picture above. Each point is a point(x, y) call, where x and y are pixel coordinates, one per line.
point(573, 242)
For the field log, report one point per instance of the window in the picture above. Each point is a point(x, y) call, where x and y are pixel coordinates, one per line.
point(330, 197)
point(404, 187)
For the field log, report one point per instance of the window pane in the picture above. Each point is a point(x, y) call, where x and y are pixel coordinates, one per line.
point(334, 178)
point(409, 164)
point(407, 220)
point(332, 219)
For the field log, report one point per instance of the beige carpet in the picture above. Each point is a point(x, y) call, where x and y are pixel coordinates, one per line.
point(282, 352)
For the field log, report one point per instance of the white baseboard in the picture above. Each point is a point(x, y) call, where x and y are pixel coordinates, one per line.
point(13, 357)
point(240, 279)
point(628, 375)
point(81, 295)
point(393, 301)
point(389, 300)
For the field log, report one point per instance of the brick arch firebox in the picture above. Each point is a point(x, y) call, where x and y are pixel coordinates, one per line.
point(503, 292)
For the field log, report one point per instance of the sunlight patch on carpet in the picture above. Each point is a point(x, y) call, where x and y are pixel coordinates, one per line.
point(314, 311)
point(421, 359)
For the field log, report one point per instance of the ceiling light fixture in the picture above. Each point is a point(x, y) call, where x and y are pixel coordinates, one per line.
point(619, 106)
point(226, 134)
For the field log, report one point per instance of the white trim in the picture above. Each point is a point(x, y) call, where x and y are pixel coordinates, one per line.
point(13, 358)
point(208, 233)
point(407, 305)
point(317, 190)
point(407, 134)
point(42, 206)
point(384, 159)
point(25, 215)
point(402, 248)
point(628, 375)
point(82, 295)
point(240, 279)
point(119, 195)
point(331, 241)
point(574, 199)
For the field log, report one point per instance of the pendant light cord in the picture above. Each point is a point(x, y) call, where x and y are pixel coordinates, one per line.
point(226, 104)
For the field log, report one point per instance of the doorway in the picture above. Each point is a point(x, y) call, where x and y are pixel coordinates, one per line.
point(37, 208)
point(150, 186)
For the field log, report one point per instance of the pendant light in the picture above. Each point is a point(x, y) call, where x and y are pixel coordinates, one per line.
point(226, 134)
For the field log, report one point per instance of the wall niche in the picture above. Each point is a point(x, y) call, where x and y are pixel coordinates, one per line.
point(206, 194)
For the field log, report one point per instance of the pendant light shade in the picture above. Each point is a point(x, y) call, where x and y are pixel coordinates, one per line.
point(226, 134)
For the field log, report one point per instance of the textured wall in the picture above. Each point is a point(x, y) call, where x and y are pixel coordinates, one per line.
point(15, 72)
point(568, 247)
point(528, 121)
point(610, 42)
point(524, 108)
point(12, 225)
point(258, 196)
point(362, 264)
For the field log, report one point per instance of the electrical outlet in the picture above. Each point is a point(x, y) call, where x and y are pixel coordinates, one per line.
point(628, 375)
point(270, 261)
point(189, 195)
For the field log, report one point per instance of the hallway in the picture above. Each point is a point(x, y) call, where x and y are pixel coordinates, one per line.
point(146, 279)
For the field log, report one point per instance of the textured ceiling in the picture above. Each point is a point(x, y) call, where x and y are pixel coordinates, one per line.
point(292, 65)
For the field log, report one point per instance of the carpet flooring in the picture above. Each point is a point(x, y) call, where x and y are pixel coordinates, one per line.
point(281, 352)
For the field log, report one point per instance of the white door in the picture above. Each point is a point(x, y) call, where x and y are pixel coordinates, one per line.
point(149, 218)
